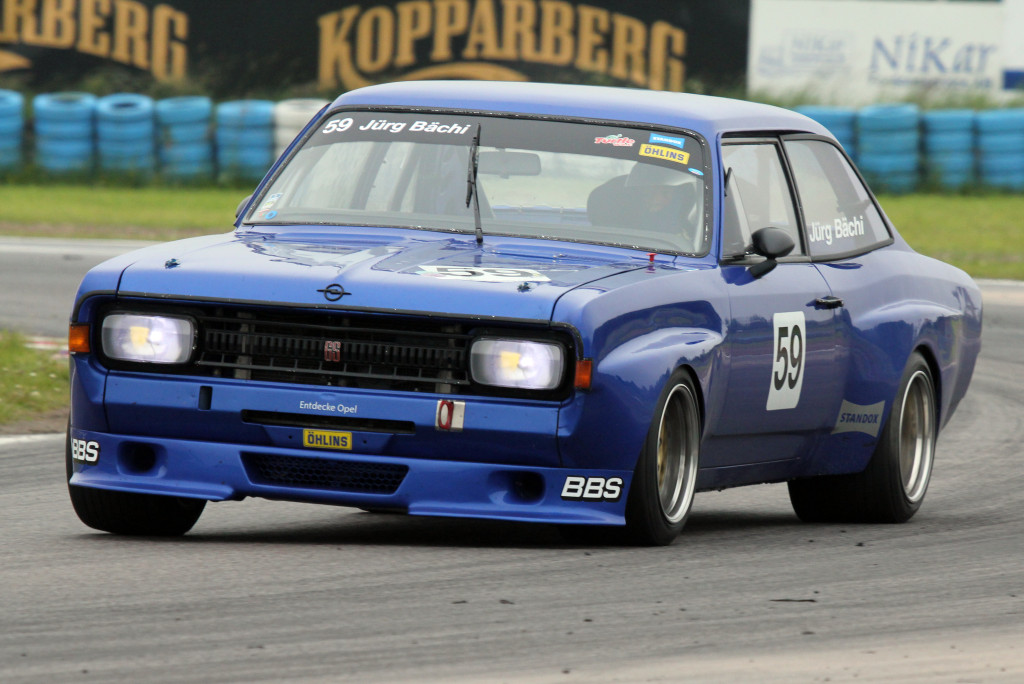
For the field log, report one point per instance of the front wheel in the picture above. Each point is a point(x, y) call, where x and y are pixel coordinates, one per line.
point(129, 513)
point(665, 478)
point(892, 487)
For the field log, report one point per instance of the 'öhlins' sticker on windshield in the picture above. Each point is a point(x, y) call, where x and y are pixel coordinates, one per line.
point(666, 153)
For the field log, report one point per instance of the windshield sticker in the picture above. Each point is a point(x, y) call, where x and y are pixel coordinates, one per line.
point(665, 153)
point(484, 274)
point(616, 139)
point(667, 140)
point(268, 205)
point(696, 172)
point(840, 229)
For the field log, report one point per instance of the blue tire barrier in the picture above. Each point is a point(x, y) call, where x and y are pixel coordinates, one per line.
point(239, 113)
point(840, 121)
point(996, 164)
point(63, 164)
point(71, 148)
point(181, 134)
point(948, 120)
point(244, 137)
point(889, 142)
point(1000, 121)
point(63, 106)
point(949, 141)
point(124, 107)
point(188, 169)
point(11, 128)
point(1000, 143)
point(888, 163)
point(180, 154)
point(10, 158)
point(71, 129)
point(950, 161)
point(133, 163)
point(12, 105)
point(246, 157)
point(175, 111)
point(1007, 181)
point(894, 117)
point(125, 130)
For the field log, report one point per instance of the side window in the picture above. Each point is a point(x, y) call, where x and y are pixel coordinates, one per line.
point(838, 212)
point(757, 196)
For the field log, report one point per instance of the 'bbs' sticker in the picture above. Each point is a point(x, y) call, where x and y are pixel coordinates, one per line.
point(578, 488)
point(85, 451)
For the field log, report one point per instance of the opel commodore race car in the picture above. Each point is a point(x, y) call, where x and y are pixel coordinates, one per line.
point(559, 304)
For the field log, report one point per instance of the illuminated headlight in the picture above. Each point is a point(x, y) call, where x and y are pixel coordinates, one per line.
point(149, 339)
point(522, 364)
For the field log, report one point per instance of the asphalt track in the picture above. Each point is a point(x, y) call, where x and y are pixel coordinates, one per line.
point(266, 591)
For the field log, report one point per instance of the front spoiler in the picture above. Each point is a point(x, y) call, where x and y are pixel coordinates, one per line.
point(217, 472)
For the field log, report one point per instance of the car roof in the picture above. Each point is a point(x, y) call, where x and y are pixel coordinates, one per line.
point(709, 116)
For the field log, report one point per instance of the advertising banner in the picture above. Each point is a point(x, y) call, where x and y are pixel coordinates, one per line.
point(860, 51)
point(241, 47)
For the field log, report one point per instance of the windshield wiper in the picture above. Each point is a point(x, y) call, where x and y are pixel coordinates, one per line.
point(472, 193)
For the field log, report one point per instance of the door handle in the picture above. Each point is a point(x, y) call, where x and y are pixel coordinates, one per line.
point(829, 302)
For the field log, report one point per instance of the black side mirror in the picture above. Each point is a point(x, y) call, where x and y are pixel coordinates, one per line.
point(242, 205)
point(772, 244)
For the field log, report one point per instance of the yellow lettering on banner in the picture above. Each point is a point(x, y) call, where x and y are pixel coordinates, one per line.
point(170, 57)
point(482, 40)
point(629, 43)
point(668, 47)
point(376, 39)
point(131, 33)
point(20, 20)
point(414, 22)
point(451, 17)
point(92, 16)
point(57, 24)
point(593, 24)
point(519, 18)
point(557, 42)
point(335, 50)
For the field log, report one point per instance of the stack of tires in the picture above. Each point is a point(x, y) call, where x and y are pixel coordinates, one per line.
point(840, 121)
point(888, 144)
point(949, 146)
point(245, 138)
point(12, 127)
point(290, 117)
point(1001, 148)
point(64, 131)
point(126, 129)
point(185, 146)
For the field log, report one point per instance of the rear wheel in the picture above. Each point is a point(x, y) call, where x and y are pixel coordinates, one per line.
point(128, 513)
point(892, 487)
point(665, 478)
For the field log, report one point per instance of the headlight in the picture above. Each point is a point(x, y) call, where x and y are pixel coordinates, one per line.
point(523, 364)
point(149, 339)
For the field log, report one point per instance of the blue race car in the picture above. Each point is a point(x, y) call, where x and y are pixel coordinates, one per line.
point(531, 302)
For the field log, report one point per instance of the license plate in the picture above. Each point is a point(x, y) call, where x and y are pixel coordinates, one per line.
point(327, 439)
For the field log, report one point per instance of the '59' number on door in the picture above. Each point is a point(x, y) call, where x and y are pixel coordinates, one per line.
point(788, 368)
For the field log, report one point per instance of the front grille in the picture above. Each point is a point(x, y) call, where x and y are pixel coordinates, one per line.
point(324, 473)
point(335, 350)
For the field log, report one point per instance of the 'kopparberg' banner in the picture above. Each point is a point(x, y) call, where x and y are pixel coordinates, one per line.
point(239, 46)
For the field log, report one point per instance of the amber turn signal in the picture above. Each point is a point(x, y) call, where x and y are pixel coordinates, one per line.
point(584, 370)
point(78, 338)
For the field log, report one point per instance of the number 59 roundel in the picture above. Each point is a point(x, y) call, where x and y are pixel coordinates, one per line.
point(788, 368)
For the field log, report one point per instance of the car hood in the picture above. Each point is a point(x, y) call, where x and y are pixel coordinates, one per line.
point(386, 269)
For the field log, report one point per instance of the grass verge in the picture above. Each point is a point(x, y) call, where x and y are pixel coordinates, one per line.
point(979, 233)
point(32, 382)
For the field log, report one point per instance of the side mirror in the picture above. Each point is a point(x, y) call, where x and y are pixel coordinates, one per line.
point(242, 205)
point(772, 244)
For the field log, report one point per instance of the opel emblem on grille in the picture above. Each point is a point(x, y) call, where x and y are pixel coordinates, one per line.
point(334, 292)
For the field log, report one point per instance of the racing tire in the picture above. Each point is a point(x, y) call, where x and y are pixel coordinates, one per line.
point(128, 513)
point(665, 478)
point(892, 487)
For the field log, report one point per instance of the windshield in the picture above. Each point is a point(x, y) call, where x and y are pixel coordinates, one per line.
point(604, 184)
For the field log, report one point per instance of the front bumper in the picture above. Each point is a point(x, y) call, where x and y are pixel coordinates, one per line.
point(221, 471)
